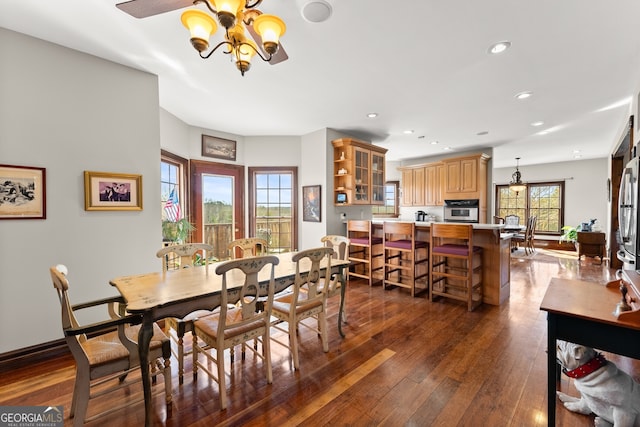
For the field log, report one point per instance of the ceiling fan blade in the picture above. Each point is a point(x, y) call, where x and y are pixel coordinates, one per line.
point(146, 8)
point(279, 56)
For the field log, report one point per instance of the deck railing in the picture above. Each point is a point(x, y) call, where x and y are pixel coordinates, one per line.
point(277, 234)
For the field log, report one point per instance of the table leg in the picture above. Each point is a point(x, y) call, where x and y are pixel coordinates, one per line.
point(551, 369)
point(144, 341)
point(343, 292)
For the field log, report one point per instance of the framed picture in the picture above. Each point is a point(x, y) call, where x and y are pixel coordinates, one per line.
point(105, 191)
point(218, 148)
point(22, 192)
point(311, 203)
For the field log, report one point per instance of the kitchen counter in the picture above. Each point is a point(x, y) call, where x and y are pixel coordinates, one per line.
point(476, 226)
point(496, 255)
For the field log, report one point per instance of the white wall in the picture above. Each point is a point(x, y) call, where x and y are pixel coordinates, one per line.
point(585, 187)
point(313, 171)
point(69, 112)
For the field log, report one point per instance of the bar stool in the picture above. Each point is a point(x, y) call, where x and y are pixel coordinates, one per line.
point(365, 250)
point(406, 260)
point(456, 265)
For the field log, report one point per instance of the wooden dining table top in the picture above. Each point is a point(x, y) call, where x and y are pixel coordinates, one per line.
point(149, 291)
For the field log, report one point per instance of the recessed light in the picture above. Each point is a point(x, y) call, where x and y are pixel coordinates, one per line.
point(536, 124)
point(523, 95)
point(435, 142)
point(421, 137)
point(576, 151)
point(543, 132)
point(577, 156)
point(408, 132)
point(499, 47)
point(447, 148)
point(372, 115)
point(484, 132)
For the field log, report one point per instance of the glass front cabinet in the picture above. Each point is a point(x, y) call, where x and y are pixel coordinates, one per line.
point(358, 172)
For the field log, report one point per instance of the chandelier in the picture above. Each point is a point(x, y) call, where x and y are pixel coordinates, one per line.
point(516, 183)
point(235, 16)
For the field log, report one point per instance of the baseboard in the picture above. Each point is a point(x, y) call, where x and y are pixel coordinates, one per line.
point(553, 244)
point(23, 357)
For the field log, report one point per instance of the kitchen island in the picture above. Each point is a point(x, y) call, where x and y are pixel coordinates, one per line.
point(496, 256)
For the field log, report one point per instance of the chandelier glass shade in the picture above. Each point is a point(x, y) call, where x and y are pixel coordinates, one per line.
point(516, 183)
point(235, 16)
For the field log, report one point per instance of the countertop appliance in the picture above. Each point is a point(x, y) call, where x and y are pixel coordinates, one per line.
point(463, 210)
point(421, 216)
point(629, 252)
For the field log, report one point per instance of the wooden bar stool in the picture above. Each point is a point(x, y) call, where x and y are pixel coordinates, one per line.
point(456, 265)
point(365, 250)
point(406, 260)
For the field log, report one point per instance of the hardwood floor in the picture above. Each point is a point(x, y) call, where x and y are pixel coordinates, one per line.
point(404, 362)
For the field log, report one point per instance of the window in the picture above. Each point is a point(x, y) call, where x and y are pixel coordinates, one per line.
point(272, 207)
point(390, 207)
point(173, 178)
point(542, 200)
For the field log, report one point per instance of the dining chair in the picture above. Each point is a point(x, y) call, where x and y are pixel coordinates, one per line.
point(512, 220)
point(307, 300)
point(106, 351)
point(245, 248)
point(249, 246)
point(456, 264)
point(527, 238)
point(233, 325)
point(183, 256)
point(498, 219)
point(340, 246)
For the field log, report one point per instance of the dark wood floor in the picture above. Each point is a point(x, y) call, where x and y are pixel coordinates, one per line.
point(404, 361)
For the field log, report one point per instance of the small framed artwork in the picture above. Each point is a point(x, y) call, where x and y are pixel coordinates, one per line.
point(22, 192)
point(311, 203)
point(105, 191)
point(218, 148)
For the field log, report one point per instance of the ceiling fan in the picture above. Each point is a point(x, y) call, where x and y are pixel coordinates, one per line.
point(146, 8)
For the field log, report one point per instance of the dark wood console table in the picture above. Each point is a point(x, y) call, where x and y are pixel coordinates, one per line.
point(582, 312)
point(591, 243)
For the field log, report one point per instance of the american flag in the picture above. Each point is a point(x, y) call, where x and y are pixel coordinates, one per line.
point(172, 207)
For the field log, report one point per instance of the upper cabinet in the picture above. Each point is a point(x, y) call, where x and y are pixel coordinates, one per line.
point(359, 172)
point(434, 182)
point(454, 178)
point(466, 177)
point(413, 186)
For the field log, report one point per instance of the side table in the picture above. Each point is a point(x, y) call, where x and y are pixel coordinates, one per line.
point(591, 243)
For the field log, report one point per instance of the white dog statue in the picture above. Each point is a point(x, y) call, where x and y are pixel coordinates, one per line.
point(611, 394)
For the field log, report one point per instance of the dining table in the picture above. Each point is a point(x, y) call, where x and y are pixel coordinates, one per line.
point(176, 293)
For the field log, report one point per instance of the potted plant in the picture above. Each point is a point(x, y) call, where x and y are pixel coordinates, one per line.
point(176, 231)
point(570, 234)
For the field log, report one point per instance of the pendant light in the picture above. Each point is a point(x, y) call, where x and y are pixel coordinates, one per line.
point(516, 183)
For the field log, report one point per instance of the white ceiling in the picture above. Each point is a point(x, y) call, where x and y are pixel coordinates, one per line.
point(424, 67)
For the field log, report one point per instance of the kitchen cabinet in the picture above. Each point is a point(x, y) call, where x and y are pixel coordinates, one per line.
point(434, 181)
point(422, 185)
point(359, 172)
point(413, 186)
point(462, 177)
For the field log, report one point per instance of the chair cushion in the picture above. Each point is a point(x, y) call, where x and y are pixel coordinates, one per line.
point(283, 305)
point(209, 324)
point(405, 244)
point(365, 241)
point(451, 249)
point(107, 348)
